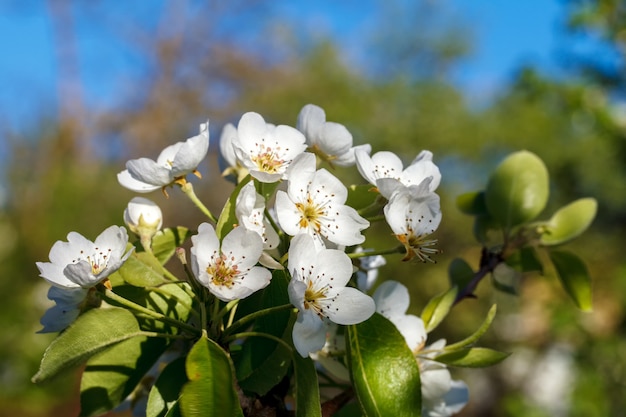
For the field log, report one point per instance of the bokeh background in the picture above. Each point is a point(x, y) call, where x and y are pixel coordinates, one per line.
point(84, 86)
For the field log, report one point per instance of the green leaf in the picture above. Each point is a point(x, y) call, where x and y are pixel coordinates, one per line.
point(525, 260)
point(166, 390)
point(438, 308)
point(307, 390)
point(472, 203)
point(92, 332)
point(263, 363)
point(476, 335)
point(165, 242)
point(112, 375)
point(210, 390)
point(569, 222)
point(574, 277)
point(384, 371)
point(460, 273)
point(227, 220)
point(142, 270)
point(472, 357)
point(517, 190)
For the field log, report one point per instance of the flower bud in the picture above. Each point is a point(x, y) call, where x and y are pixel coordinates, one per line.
point(144, 218)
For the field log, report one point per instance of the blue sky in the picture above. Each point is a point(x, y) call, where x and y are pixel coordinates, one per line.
point(505, 35)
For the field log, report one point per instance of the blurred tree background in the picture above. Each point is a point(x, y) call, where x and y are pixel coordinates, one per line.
point(221, 59)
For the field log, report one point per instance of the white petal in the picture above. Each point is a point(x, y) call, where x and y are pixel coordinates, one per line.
point(347, 227)
point(127, 181)
point(418, 171)
point(81, 273)
point(53, 273)
point(435, 383)
point(251, 128)
point(244, 246)
point(310, 121)
point(309, 333)
point(229, 132)
point(300, 172)
point(287, 214)
point(392, 299)
point(148, 171)
point(291, 141)
point(191, 153)
point(302, 253)
point(333, 267)
point(205, 244)
point(335, 139)
point(413, 330)
point(327, 187)
point(296, 290)
point(350, 306)
point(349, 158)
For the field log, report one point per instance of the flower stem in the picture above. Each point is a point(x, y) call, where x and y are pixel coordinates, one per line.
point(188, 189)
point(111, 296)
point(397, 249)
point(251, 317)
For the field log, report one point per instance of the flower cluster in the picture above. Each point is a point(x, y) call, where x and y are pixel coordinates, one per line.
point(303, 226)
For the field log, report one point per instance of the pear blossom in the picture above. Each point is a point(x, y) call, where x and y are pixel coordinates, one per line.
point(67, 307)
point(318, 290)
point(266, 150)
point(80, 263)
point(228, 270)
point(142, 213)
point(230, 166)
point(332, 142)
point(385, 171)
point(250, 212)
point(413, 214)
point(314, 203)
point(144, 175)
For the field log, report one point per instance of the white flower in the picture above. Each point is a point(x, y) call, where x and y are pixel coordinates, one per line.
point(142, 213)
point(392, 300)
point(67, 307)
point(331, 141)
point(80, 263)
point(266, 151)
point(367, 272)
point(315, 204)
point(250, 212)
point(172, 166)
point(386, 172)
point(318, 289)
point(229, 165)
point(229, 271)
point(413, 214)
point(441, 395)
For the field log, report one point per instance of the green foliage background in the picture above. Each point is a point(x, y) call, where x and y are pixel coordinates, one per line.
point(58, 181)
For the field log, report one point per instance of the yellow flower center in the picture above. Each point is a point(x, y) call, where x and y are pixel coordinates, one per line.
point(312, 297)
point(310, 215)
point(222, 272)
point(268, 160)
